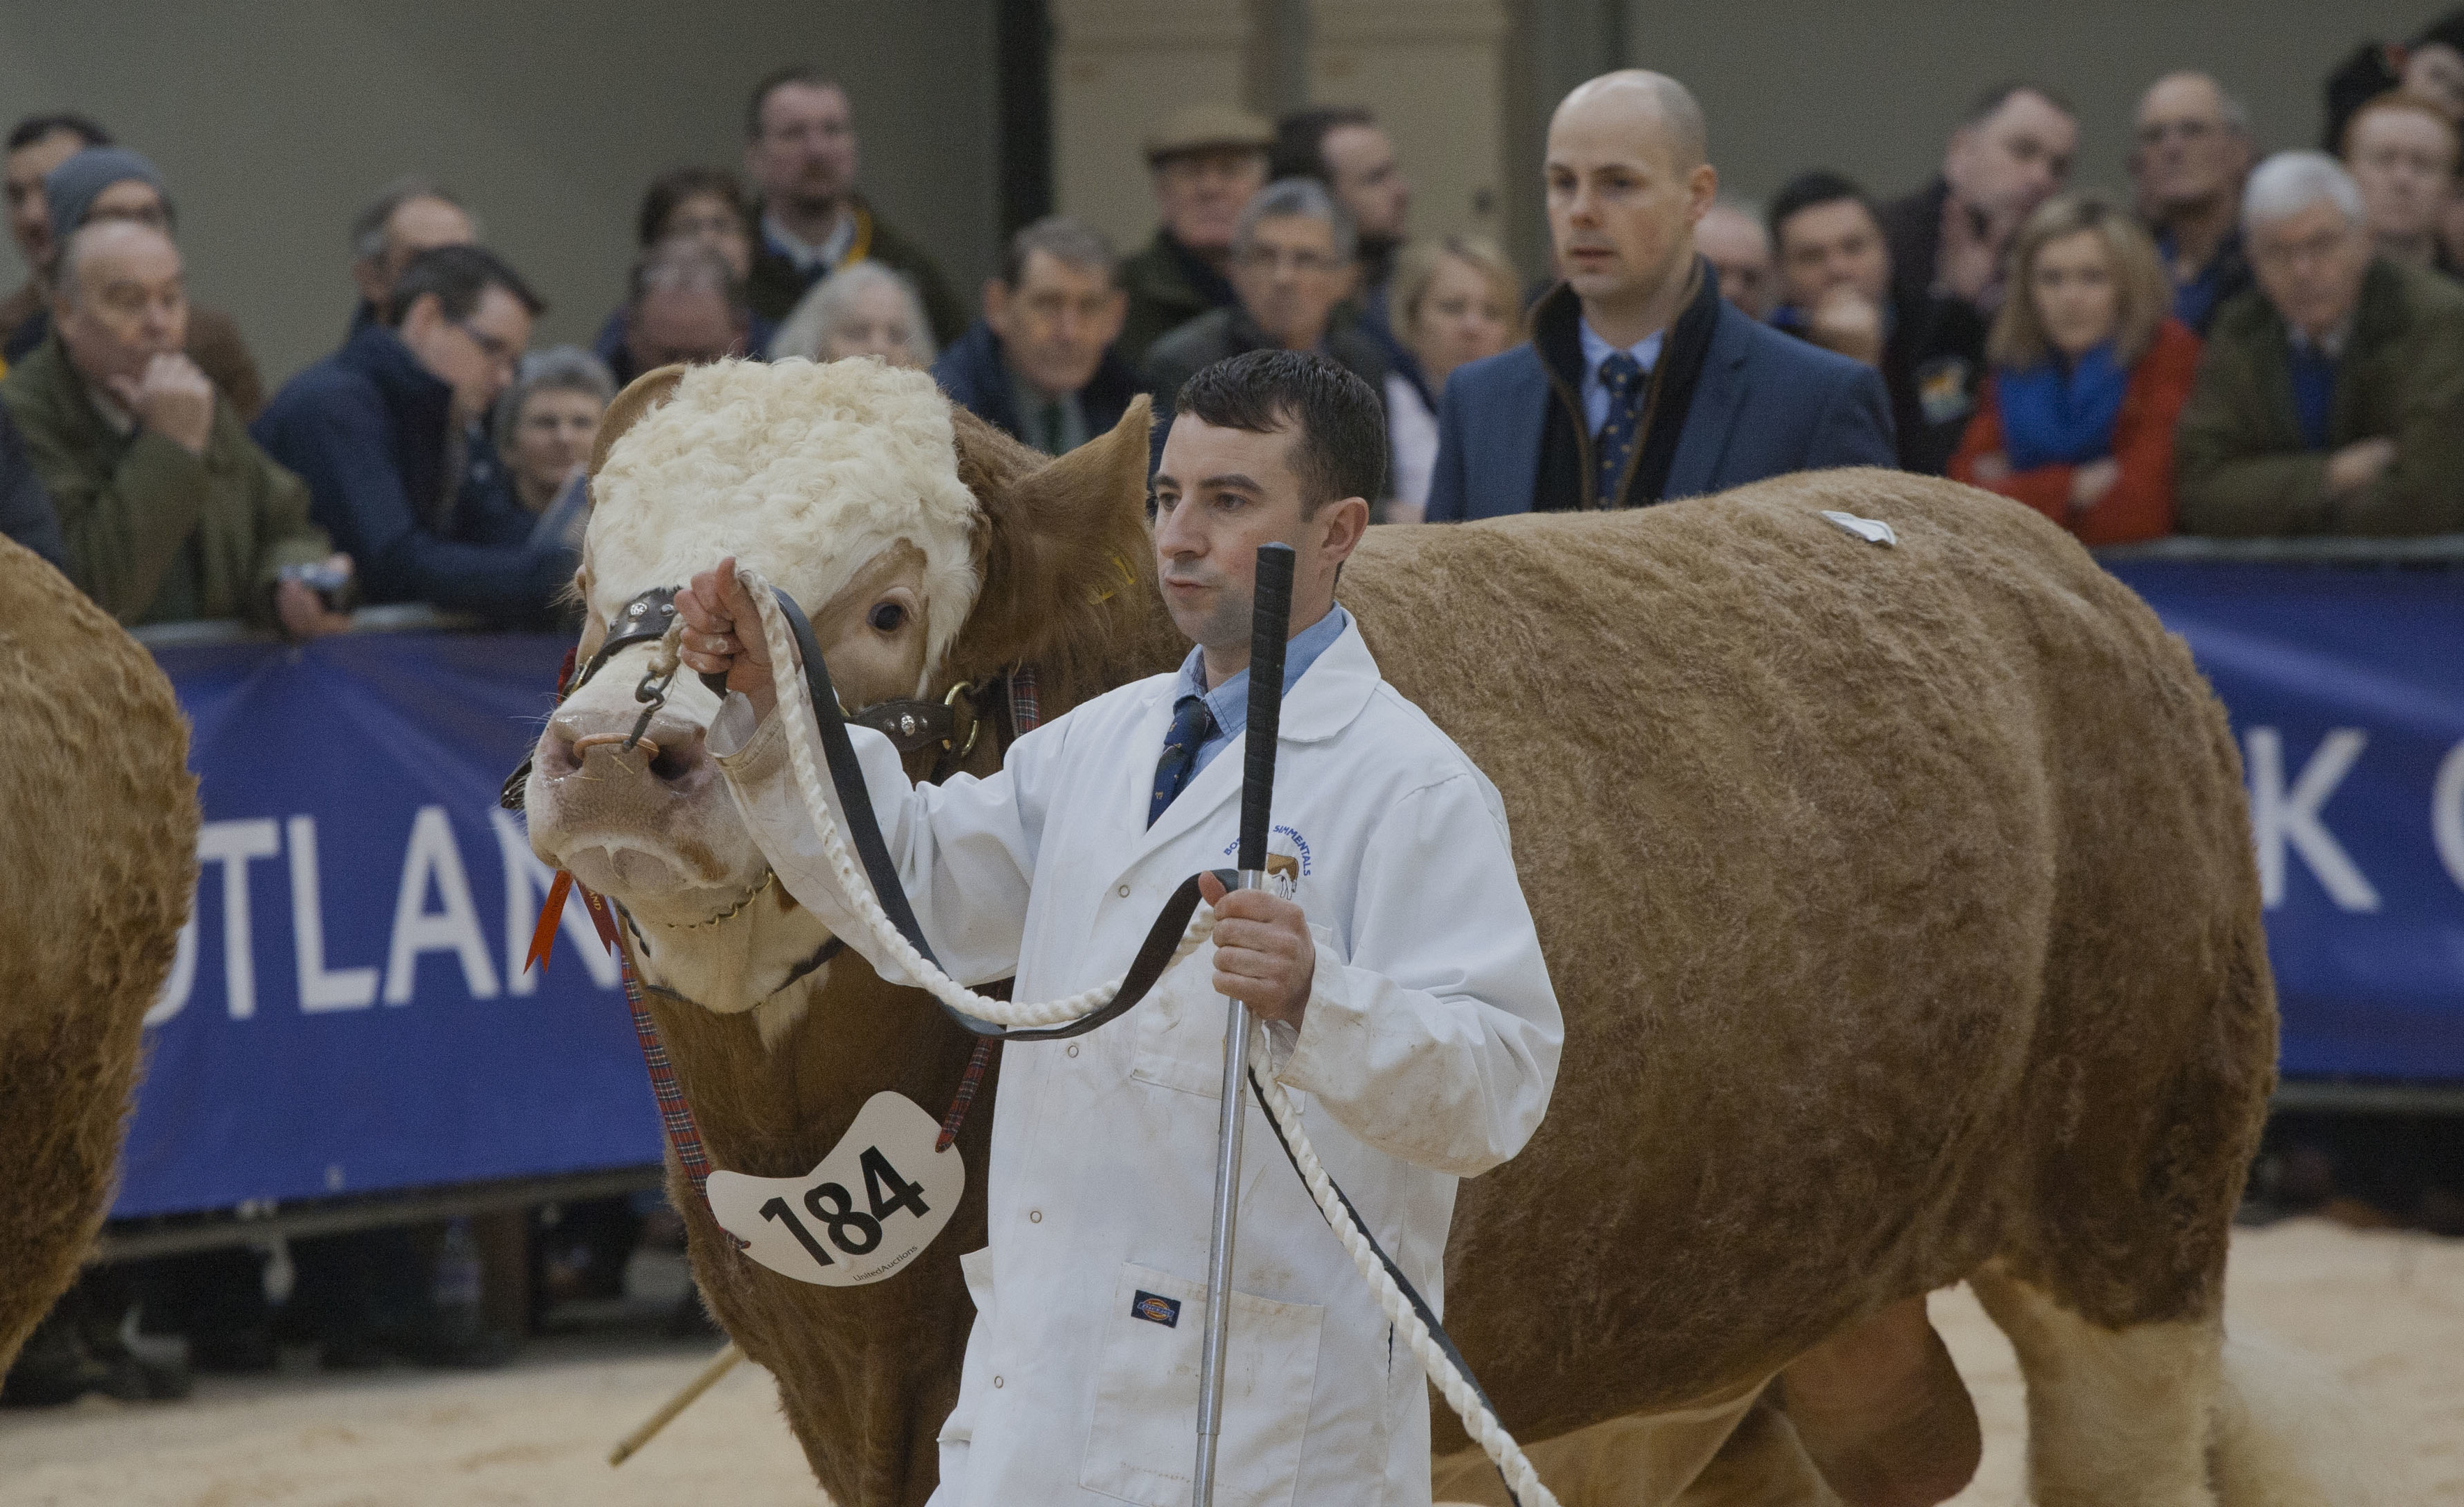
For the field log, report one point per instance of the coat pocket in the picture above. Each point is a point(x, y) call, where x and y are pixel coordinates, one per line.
point(1142, 1444)
point(1180, 1041)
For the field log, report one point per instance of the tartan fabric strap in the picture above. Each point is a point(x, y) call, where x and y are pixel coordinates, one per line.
point(674, 1114)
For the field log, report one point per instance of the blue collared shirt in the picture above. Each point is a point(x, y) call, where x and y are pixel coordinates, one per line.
point(1229, 702)
point(1596, 350)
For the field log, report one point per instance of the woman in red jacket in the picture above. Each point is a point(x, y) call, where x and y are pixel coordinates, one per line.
point(2090, 370)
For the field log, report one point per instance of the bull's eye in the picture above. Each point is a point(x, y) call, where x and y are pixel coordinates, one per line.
point(887, 618)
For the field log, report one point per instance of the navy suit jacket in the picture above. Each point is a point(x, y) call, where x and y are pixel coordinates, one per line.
point(366, 429)
point(1766, 404)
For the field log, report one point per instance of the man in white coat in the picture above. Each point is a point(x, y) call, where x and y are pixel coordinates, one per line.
point(1408, 1011)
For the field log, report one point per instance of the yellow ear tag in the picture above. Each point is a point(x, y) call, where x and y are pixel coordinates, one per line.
point(1129, 577)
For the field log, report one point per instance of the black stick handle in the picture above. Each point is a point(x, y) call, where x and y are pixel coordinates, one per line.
point(1270, 627)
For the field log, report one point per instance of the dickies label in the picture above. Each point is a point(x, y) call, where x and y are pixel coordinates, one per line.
point(1155, 1308)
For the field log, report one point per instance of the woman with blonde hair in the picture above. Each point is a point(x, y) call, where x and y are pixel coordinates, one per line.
point(1453, 302)
point(865, 309)
point(2090, 370)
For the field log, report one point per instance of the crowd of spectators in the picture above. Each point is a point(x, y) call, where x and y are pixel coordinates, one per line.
point(2233, 343)
point(2188, 355)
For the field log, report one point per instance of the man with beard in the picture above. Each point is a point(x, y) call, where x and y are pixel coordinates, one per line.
point(799, 150)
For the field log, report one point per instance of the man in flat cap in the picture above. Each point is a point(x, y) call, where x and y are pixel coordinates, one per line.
point(1208, 160)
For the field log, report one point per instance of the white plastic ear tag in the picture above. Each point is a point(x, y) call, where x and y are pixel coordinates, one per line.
point(871, 1206)
point(1873, 531)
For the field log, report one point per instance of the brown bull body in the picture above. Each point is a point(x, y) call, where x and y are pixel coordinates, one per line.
point(1899, 902)
point(98, 859)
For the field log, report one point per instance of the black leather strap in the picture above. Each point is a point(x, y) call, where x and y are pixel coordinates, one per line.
point(910, 723)
point(644, 619)
point(847, 777)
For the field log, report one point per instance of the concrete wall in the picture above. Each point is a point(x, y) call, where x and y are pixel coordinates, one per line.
point(1871, 89)
point(272, 121)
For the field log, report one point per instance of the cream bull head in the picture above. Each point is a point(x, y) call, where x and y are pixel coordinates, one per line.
point(930, 551)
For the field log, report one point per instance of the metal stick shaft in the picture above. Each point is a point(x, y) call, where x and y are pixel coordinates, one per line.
point(1218, 1256)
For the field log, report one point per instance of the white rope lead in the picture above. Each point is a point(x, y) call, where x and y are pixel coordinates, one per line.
point(803, 733)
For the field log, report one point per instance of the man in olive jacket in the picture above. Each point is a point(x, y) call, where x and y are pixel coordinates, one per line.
point(2331, 396)
point(169, 511)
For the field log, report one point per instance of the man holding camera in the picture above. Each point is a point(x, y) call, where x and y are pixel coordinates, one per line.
point(169, 509)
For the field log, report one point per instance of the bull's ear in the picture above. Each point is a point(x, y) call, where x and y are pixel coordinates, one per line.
point(1065, 552)
point(640, 396)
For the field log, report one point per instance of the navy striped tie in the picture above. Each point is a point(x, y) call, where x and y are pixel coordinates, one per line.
point(1190, 722)
point(1622, 375)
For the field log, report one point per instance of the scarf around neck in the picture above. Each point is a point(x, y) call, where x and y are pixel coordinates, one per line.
point(2056, 417)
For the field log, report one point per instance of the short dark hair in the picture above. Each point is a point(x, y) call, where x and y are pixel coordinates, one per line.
point(1300, 140)
point(460, 275)
point(34, 127)
point(1811, 190)
point(368, 225)
point(805, 74)
point(1982, 106)
point(672, 188)
point(1340, 447)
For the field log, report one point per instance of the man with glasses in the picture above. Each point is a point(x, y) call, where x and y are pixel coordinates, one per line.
point(1292, 264)
point(799, 150)
point(2331, 398)
point(1207, 161)
point(2188, 157)
point(381, 430)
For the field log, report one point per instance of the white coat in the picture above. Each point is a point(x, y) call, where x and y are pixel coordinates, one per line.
point(1426, 1054)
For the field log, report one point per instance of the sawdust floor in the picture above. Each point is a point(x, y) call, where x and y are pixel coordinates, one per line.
point(2385, 1311)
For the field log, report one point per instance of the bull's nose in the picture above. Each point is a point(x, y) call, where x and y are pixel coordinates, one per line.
point(670, 750)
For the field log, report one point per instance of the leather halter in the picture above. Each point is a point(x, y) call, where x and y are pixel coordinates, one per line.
point(912, 724)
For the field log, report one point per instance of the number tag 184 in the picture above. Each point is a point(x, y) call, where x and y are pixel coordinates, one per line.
point(871, 1206)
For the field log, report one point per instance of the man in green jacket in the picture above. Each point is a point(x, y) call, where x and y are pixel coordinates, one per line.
point(170, 511)
point(2331, 396)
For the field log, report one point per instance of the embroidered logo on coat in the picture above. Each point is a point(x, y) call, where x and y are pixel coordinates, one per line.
point(1155, 1308)
point(1287, 861)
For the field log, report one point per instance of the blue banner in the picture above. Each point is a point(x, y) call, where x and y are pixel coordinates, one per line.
point(2346, 689)
point(348, 1011)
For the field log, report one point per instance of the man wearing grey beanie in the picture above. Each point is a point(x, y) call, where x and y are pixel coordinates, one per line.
point(112, 182)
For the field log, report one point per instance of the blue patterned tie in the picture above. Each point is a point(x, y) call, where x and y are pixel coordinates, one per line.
point(1622, 375)
point(1190, 721)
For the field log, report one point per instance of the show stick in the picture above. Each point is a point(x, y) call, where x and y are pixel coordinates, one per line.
point(1270, 627)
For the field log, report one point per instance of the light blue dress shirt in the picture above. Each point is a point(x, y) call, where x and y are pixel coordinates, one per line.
point(1596, 350)
point(1229, 702)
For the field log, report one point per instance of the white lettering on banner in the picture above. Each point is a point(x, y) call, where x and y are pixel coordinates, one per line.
point(2281, 817)
point(321, 988)
point(2447, 814)
point(173, 996)
point(231, 844)
point(527, 882)
point(417, 929)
